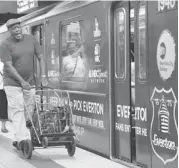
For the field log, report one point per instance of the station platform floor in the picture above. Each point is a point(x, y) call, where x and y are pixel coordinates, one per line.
point(49, 157)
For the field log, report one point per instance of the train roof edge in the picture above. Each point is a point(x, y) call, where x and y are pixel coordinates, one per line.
point(62, 8)
point(49, 11)
point(22, 19)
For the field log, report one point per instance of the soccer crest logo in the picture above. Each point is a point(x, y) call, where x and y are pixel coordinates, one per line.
point(163, 130)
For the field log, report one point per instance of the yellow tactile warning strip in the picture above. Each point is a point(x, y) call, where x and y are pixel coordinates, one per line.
point(10, 160)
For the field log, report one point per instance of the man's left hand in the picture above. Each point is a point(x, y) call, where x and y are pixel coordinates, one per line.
point(44, 81)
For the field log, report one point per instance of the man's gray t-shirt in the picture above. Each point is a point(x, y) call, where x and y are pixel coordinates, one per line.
point(21, 53)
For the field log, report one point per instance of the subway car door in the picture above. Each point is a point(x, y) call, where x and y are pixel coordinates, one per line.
point(121, 81)
point(142, 115)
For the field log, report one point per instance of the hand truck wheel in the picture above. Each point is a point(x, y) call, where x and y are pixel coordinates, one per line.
point(44, 142)
point(28, 148)
point(71, 147)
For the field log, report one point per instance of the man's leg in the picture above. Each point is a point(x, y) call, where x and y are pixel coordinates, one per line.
point(29, 101)
point(16, 112)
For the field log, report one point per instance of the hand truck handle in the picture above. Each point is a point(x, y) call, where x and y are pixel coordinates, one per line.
point(42, 87)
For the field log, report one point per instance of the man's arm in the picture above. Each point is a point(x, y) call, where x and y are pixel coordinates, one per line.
point(40, 56)
point(11, 70)
point(15, 75)
point(42, 69)
point(42, 64)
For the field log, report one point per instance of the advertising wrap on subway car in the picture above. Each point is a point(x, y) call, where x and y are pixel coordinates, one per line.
point(77, 63)
point(164, 84)
point(88, 57)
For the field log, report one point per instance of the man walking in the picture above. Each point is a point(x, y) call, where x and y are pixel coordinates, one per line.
point(17, 53)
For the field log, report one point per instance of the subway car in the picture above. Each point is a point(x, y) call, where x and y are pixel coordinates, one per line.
point(122, 79)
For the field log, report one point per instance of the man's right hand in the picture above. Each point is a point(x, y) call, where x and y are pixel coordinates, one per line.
point(25, 85)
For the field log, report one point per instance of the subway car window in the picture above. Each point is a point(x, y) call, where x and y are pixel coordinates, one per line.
point(132, 35)
point(73, 68)
point(132, 42)
point(142, 42)
point(120, 44)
